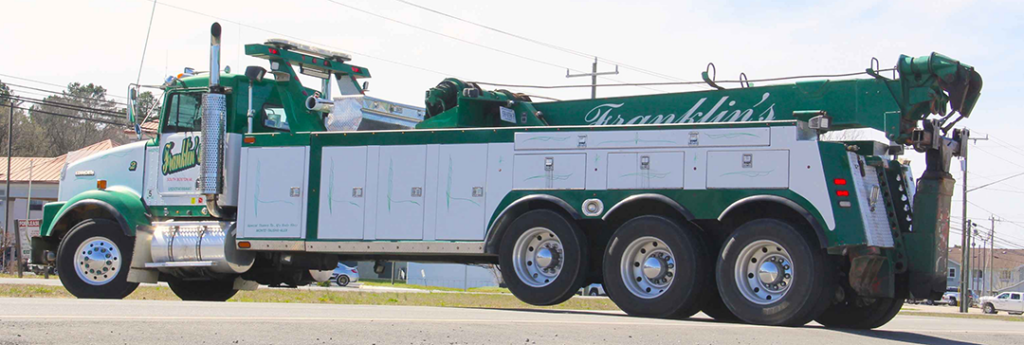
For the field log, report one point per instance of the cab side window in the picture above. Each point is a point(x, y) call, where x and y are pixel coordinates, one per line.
point(184, 113)
point(274, 117)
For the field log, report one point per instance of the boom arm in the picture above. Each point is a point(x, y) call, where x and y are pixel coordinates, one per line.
point(894, 106)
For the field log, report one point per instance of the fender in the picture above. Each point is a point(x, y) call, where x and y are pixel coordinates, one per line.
point(654, 197)
point(818, 229)
point(122, 204)
point(515, 209)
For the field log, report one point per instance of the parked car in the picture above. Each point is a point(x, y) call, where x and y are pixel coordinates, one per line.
point(344, 275)
point(952, 297)
point(1009, 302)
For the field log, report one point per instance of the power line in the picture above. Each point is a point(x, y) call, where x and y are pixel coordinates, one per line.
point(34, 111)
point(679, 82)
point(538, 42)
point(992, 183)
point(465, 41)
point(66, 94)
point(50, 84)
point(94, 111)
point(300, 39)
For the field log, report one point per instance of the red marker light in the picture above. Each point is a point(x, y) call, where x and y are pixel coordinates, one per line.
point(840, 181)
point(273, 51)
point(842, 193)
point(355, 69)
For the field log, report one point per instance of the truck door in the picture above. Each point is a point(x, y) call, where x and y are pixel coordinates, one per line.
point(1015, 303)
point(174, 162)
point(1001, 301)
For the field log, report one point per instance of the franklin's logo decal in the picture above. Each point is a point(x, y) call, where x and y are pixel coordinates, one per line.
point(187, 158)
point(723, 110)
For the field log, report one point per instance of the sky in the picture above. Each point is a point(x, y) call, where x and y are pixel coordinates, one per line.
point(101, 41)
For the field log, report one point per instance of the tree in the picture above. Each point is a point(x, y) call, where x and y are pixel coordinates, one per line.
point(146, 106)
point(74, 130)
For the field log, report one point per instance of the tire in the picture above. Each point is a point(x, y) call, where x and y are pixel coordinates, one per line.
point(989, 309)
point(593, 292)
point(203, 290)
point(855, 312)
point(342, 280)
point(952, 302)
point(114, 257)
point(800, 275)
point(655, 267)
point(716, 309)
point(558, 243)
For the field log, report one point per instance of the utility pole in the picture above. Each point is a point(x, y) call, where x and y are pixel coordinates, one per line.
point(593, 77)
point(966, 238)
point(992, 250)
point(7, 190)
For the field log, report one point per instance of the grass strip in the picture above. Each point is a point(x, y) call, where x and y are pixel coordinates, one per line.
point(268, 295)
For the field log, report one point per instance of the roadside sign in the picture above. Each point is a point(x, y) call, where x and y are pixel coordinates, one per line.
point(28, 228)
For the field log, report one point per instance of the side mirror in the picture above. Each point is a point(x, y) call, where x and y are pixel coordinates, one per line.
point(366, 86)
point(255, 73)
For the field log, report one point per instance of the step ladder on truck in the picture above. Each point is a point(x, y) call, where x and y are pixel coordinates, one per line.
point(723, 201)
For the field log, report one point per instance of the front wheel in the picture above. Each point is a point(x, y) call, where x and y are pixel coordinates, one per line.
point(989, 308)
point(771, 273)
point(542, 257)
point(952, 302)
point(203, 290)
point(94, 258)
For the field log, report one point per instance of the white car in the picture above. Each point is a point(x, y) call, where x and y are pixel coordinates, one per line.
point(1009, 302)
point(344, 275)
point(594, 290)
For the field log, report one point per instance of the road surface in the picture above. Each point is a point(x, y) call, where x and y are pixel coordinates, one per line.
point(59, 321)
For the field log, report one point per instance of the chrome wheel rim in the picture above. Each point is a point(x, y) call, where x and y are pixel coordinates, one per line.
point(648, 267)
point(97, 260)
point(538, 257)
point(764, 272)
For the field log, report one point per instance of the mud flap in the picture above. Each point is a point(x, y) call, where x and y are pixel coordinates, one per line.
point(872, 276)
point(927, 242)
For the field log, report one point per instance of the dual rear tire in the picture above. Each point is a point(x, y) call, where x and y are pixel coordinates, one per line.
point(656, 267)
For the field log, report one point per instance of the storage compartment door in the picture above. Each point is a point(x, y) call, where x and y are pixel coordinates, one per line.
point(342, 184)
point(460, 198)
point(550, 171)
point(661, 170)
point(400, 195)
point(275, 183)
point(748, 169)
point(622, 171)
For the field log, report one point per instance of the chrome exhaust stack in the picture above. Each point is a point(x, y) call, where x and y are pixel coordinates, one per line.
point(212, 134)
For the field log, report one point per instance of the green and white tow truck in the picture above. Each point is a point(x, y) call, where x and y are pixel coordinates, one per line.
point(723, 201)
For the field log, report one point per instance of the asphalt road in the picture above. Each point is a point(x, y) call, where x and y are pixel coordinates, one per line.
point(61, 321)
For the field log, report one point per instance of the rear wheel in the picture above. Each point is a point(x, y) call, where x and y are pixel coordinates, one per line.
point(656, 267)
point(771, 273)
point(952, 301)
point(203, 290)
point(542, 258)
point(342, 280)
point(94, 258)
